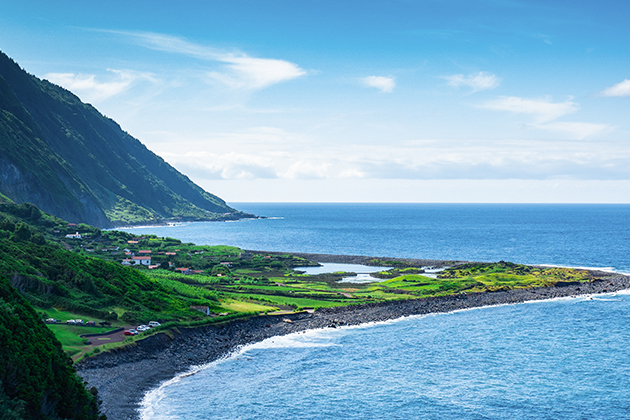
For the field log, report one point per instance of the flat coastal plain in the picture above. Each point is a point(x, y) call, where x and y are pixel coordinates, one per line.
point(123, 376)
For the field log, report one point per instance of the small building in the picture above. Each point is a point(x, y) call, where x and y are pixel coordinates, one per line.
point(73, 235)
point(132, 242)
point(144, 251)
point(170, 253)
point(137, 261)
point(204, 309)
point(154, 266)
point(144, 260)
point(183, 270)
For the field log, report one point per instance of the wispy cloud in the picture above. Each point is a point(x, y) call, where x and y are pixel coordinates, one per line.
point(475, 81)
point(578, 130)
point(240, 71)
point(206, 165)
point(620, 89)
point(543, 110)
point(384, 84)
point(307, 170)
point(91, 90)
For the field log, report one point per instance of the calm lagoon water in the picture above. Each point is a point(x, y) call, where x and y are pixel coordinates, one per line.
point(560, 359)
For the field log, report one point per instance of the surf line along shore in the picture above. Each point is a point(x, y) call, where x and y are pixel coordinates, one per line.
point(123, 376)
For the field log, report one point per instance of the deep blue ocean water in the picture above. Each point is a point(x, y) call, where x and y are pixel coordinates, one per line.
point(560, 359)
point(574, 235)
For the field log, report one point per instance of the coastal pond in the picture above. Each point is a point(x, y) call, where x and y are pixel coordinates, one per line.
point(362, 271)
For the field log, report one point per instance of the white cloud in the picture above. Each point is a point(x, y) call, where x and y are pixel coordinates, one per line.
point(384, 84)
point(579, 130)
point(352, 173)
point(476, 81)
point(91, 90)
point(620, 89)
point(241, 71)
point(226, 166)
point(543, 110)
point(307, 170)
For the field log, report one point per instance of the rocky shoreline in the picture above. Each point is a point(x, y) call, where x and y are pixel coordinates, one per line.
point(125, 375)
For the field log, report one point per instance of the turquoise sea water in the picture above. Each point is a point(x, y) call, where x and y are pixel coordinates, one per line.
point(560, 359)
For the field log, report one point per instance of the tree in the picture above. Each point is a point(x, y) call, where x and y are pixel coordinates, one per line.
point(22, 232)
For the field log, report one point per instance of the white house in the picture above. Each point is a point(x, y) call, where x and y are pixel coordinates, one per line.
point(137, 261)
point(144, 260)
point(73, 235)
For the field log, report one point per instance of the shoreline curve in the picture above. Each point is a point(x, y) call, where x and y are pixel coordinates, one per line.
point(123, 376)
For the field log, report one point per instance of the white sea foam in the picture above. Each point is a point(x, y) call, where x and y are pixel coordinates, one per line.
point(303, 339)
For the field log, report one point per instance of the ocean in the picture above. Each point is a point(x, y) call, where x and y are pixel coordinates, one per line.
point(558, 359)
point(572, 235)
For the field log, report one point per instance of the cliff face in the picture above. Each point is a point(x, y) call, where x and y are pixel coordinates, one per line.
point(71, 161)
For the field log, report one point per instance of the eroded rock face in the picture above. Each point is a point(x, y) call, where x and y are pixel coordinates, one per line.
point(24, 187)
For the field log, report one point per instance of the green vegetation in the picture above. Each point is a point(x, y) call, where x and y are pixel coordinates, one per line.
point(36, 377)
point(67, 278)
point(82, 278)
point(70, 160)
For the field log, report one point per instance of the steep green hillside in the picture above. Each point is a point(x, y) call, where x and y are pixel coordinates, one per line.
point(49, 276)
point(37, 380)
point(71, 161)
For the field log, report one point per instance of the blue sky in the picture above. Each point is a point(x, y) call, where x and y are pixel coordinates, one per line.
point(404, 101)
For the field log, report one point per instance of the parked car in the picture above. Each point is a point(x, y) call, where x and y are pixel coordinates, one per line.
point(71, 322)
point(142, 328)
point(51, 321)
point(131, 332)
point(154, 324)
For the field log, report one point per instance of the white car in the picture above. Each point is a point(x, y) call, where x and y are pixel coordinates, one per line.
point(154, 324)
point(142, 328)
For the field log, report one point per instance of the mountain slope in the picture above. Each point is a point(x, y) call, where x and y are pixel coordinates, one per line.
point(64, 156)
